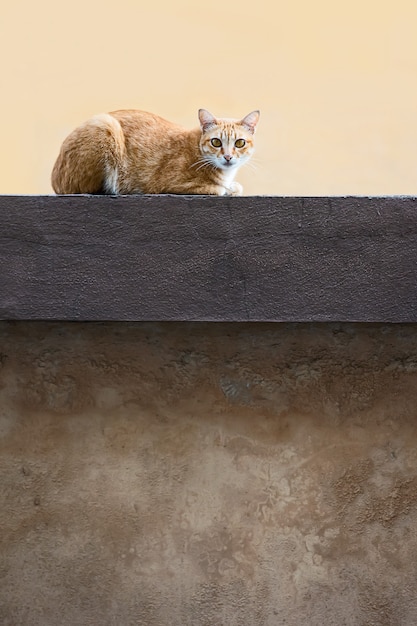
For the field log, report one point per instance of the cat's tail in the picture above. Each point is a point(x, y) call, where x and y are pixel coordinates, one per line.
point(91, 158)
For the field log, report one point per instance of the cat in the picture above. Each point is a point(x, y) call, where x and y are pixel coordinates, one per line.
point(135, 152)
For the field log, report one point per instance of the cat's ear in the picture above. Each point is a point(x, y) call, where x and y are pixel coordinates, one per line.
point(250, 121)
point(207, 120)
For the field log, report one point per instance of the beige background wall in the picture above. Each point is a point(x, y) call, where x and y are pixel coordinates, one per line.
point(335, 82)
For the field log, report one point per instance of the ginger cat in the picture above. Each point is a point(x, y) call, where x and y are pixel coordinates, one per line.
point(129, 151)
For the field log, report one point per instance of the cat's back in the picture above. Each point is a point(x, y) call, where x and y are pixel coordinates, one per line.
point(135, 120)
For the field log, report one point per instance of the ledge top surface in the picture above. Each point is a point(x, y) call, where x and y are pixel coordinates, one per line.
point(203, 258)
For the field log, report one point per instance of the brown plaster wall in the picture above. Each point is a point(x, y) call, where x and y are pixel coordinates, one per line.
point(208, 474)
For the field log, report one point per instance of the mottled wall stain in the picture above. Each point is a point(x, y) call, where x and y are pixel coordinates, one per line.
point(208, 474)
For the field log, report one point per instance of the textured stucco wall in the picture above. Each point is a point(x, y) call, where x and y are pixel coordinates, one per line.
point(208, 474)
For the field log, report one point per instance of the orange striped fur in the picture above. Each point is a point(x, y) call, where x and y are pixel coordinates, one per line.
point(130, 151)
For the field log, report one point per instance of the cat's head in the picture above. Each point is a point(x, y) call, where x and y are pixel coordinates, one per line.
point(227, 144)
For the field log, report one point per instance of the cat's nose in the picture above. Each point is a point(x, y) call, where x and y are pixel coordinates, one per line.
point(227, 157)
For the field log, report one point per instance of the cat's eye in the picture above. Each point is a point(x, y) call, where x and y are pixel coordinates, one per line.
point(239, 143)
point(216, 142)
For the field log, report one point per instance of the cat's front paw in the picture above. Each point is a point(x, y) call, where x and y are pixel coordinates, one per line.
point(234, 189)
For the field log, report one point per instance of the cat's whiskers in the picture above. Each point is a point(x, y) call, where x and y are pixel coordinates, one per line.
point(202, 163)
point(251, 165)
point(197, 162)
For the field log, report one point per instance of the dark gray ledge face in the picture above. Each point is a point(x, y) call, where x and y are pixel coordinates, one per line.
point(208, 258)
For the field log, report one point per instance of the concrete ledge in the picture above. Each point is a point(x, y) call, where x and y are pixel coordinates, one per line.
point(178, 258)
